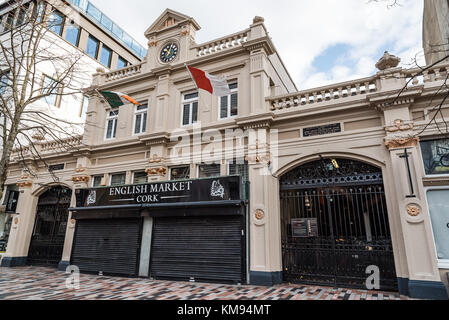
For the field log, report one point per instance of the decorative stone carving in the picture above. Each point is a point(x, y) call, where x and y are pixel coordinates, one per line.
point(84, 179)
point(156, 159)
point(156, 171)
point(16, 221)
point(258, 19)
point(399, 143)
point(80, 169)
point(100, 70)
point(185, 32)
point(72, 221)
point(260, 214)
point(259, 154)
point(25, 184)
point(413, 210)
point(388, 61)
point(399, 126)
point(152, 43)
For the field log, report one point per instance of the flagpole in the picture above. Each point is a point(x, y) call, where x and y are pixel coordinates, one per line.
point(191, 76)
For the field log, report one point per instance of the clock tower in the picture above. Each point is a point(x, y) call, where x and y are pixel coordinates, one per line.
point(170, 38)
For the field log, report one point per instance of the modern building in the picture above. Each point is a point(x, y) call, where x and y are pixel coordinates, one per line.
point(81, 29)
point(436, 30)
point(339, 185)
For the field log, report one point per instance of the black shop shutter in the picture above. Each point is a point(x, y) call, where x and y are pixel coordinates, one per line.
point(203, 249)
point(109, 246)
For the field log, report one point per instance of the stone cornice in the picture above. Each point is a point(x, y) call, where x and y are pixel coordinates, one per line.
point(256, 121)
point(382, 101)
point(258, 43)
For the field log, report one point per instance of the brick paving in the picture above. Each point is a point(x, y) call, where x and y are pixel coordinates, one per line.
point(49, 284)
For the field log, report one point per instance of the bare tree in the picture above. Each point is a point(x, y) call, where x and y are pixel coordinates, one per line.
point(36, 72)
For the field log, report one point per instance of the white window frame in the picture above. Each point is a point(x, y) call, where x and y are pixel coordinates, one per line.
point(114, 120)
point(233, 91)
point(444, 175)
point(442, 263)
point(134, 177)
point(140, 112)
point(190, 102)
point(115, 174)
point(93, 180)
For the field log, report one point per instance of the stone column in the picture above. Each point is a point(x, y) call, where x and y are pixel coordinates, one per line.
point(22, 227)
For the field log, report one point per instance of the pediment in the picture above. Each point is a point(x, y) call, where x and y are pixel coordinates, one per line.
point(167, 20)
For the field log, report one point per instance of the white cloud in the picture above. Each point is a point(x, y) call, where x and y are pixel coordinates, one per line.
point(301, 30)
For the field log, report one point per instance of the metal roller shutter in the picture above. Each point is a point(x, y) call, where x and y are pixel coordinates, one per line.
point(109, 246)
point(205, 249)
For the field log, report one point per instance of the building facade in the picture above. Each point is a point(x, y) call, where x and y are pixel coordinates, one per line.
point(435, 30)
point(339, 185)
point(77, 28)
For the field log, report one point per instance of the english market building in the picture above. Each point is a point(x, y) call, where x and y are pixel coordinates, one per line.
point(348, 181)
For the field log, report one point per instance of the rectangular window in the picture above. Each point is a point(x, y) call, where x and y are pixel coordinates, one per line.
point(209, 171)
point(38, 10)
point(239, 168)
point(97, 181)
point(22, 15)
point(190, 108)
point(84, 106)
point(50, 88)
point(439, 214)
point(4, 82)
point(180, 173)
point(140, 119)
point(56, 22)
point(229, 103)
point(118, 179)
point(7, 24)
point(435, 154)
point(111, 125)
point(140, 177)
point(106, 56)
point(121, 63)
point(73, 34)
point(92, 47)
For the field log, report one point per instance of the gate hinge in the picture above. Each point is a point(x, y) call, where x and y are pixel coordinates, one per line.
point(243, 233)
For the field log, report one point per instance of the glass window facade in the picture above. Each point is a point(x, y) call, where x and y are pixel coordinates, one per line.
point(121, 63)
point(435, 154)
point(73, 34)
point(56, 22)
point(107, 24)
point(106, 56)
point(92, 47)
point(51, 89)
point(4, 82)
point(439, 213)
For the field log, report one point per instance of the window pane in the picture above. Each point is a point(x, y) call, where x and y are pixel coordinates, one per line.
point(106, 22)
point(191, 96)
point(240, 169)
point(181, 173)
point(4, 82)
point(436, 156)
point(50, 88)
point(144, 124)
point(106, 55)
point(56, 22)
point(209, 171)
point(121, 63)
point(114, 133)
point(186, 115)
point(118, 179)
point(38, 11)
point(93, 12)
point(97, 181)
point(140, 177)
point(234, 104)
point(92, 47)
point(138, 123)
point(439, 212)
point(72, 34)
point(224, 107)
point(109, 130)
point(233, 86)
point(195, 112)
point(84, 107)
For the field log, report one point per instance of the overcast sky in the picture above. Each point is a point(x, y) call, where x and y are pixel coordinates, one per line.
point(320, 41)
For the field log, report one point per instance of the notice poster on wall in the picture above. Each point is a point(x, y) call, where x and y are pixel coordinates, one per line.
point(304, 228)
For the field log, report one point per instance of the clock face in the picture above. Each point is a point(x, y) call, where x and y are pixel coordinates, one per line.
point(169, 52)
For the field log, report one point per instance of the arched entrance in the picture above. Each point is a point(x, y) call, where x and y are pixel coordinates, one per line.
point(335, 225)
point(47, 241)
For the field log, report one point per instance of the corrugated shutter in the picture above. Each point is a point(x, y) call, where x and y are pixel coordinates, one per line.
point(110, 246)
point(205, 249)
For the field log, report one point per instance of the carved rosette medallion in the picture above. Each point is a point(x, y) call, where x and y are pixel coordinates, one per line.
point(413, 210)
point(259, 214)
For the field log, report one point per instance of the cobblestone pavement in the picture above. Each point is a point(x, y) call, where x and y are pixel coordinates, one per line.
point(49, 284)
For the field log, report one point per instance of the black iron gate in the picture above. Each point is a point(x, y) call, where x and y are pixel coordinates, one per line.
point(335, 225)
point(47, 242)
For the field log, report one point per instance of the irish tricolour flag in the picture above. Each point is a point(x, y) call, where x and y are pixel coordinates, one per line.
point(218, 86)
point(118, 99)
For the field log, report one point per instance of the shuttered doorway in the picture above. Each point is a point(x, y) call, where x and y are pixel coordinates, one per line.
point(108, 246)
point(206, 249)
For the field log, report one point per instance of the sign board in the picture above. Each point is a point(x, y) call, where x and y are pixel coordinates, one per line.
point(216, 189)
point(322, 130)
point(304, 228)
